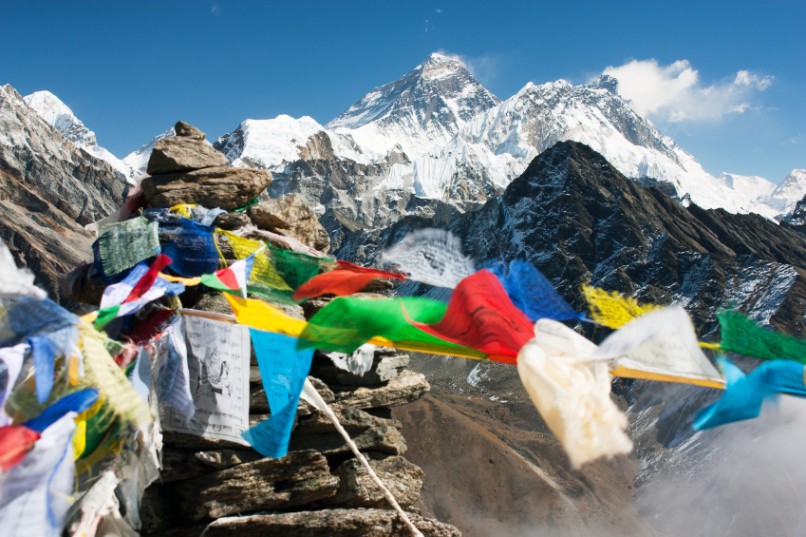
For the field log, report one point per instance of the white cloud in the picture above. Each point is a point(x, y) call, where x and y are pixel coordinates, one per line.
point(675, 92)
point(215, 9)
point(486, 67)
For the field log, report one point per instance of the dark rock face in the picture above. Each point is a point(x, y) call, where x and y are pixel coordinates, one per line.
point(227, 188)
point(49, 189)
point(183, 153)
point(291, 216)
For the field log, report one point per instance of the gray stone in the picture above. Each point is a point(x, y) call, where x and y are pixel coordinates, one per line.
point(297, 479)
point(329, 523)
point(227, 188)
point(178, 464)
point(358, 489)
point(373, 435)
point(405, 388)
point(290, 216)
point(180, 154)
point(189, 131)
point(387, 364)
point(197, 443)
point(232, 221)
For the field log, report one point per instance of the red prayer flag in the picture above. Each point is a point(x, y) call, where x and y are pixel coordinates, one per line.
point(148, 278)
point(344, 280)
point(481, 316)
point(15, 442)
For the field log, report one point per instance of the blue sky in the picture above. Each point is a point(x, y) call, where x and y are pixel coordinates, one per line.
point(726, 80)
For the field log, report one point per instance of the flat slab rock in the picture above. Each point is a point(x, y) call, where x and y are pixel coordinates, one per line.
point(300, 478)
point(405, 388)
point(182, 153)
point(358, 489)
point(227, 188)
point(330, 523)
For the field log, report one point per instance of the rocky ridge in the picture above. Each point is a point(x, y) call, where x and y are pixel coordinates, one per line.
point(49, 190)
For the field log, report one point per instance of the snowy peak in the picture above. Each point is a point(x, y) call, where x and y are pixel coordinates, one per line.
point(786, 196)
point(60, 117)
point(432, 101)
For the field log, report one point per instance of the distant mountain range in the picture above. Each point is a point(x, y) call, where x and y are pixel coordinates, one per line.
point(438, 133)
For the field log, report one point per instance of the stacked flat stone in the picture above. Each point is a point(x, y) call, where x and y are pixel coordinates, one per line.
point(185, 169)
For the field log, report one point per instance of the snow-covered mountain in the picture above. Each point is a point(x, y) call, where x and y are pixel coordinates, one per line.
point(437, 133)
point(61, 117)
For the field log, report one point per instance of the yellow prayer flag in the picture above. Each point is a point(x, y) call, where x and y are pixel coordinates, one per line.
point(612, 309)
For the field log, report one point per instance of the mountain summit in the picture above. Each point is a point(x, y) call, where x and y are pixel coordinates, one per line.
point(428, 105)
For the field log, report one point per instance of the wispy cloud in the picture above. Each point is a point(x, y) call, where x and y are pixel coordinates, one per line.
point(487, 67)
point(427, 25)
point(675, 92)
point(215, 9)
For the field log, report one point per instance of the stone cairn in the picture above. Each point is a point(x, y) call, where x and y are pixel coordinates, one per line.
point(217, 488)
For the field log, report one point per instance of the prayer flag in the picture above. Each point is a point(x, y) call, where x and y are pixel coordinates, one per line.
point(124, 244)
point(345, 279)
point(612, 309)
point(77, 402)
point(283, 370)
point(15, 442)
point(745, 394)
point(35, 494)
point(481, 316)
point(660, 345)
point(532, 293)
point(743, 336)
point(232, 278)
point(192, 248)
point(141, 286)
point(431, 256)
point(12, 358)
point(572, 394)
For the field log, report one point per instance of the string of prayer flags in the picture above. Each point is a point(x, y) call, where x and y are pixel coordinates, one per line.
point(612, 309)
point(660, 345)
point(283, 370)
point(141, 286)
point(197, 213)
point(232, 278)
point(572, 393)
point(192, 248)
point(345, 279)
point(346, 323)
point(124, 244)
point(745, 394)
point(11, 359)
point(431, 256)
point(15, 442)
point(13, 280)
point(36, 493)
point(743, 336)
point(532, 292)
point(481, 316)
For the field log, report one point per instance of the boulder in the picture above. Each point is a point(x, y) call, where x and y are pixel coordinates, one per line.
point(290, 216)
point(330, 523)
point(299, 478)
point(227, 188)
point(182, 153)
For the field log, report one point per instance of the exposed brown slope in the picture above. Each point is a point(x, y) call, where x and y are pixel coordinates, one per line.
point(490, 477)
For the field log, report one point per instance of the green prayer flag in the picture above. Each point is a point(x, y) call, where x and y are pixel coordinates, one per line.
point(743, 336)
point(346, 323)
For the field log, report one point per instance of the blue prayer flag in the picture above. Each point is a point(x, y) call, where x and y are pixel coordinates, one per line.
point(283, 370)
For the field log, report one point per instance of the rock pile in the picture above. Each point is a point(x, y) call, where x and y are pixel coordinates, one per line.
point(215, 487)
